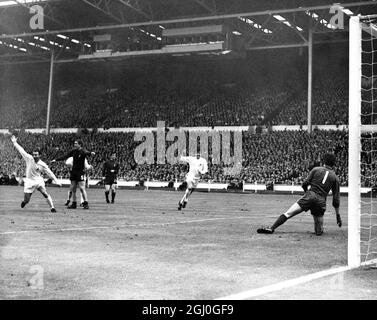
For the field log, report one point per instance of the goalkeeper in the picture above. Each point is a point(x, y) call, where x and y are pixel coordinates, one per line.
point(316, 186)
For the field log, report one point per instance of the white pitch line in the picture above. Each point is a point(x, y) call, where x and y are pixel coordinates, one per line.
point(369, 262)
point(291, 283)
point(283, 285)
point(121, 226)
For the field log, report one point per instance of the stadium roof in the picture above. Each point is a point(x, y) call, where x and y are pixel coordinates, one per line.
point(69, 26)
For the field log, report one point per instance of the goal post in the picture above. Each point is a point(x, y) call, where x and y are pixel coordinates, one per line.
point(354, 141)
point(362, 152)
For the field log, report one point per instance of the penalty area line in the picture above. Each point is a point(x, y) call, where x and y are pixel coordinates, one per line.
point(121, 226)
point(293, 282)
point(284, 284)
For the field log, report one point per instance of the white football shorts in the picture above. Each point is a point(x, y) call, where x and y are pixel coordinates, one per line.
point(192, 181)
point(30, 185)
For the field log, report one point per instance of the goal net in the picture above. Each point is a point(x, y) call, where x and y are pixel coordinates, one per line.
point(362, 178)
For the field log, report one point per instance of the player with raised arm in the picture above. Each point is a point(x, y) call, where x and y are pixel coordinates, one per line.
point(316, 186)
point(35, 167)
point(198, 166)
point(77, 175)
point(110, 171)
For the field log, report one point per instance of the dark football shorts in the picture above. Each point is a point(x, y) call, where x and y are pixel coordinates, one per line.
point(313, 202)
point(77, 176)
point(110, 181)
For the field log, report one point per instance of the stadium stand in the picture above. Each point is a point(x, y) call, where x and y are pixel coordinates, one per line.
point(269, 157)
point(208, 95)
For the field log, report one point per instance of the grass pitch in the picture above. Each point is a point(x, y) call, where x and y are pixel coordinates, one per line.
point(141, 247)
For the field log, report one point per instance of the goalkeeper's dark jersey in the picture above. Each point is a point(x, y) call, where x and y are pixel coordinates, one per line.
point(321, 180)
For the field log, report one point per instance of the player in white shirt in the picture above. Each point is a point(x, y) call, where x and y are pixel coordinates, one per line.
point(35, 167)
point(198, 166)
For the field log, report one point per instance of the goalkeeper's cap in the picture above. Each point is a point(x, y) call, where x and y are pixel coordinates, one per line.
point(329, 159)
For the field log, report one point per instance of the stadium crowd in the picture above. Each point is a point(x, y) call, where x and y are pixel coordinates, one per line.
point(329, 105)
point(270, 157)
point(191, 94)
point(228, 107)
point(180, 95)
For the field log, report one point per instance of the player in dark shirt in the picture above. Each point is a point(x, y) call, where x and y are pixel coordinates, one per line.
point(316, 186)
point(109, 173)
point(77, 174)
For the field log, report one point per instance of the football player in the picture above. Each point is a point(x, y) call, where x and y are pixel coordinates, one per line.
point(317, 186)
point(197, 167)
point(110, 171)
point(35, 167)
point(77, 175)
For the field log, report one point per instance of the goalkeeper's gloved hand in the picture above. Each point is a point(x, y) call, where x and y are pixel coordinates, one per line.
point(338, 220)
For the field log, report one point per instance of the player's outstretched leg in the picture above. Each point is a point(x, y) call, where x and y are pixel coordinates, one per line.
point(182, 203)
point(292, 211)
point(266, 230)
point(48, 198)
point(318, 225)
point(26, 200)
point(191, 190)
